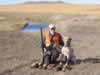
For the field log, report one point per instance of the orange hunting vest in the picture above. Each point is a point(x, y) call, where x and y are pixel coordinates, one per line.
point(55, 38)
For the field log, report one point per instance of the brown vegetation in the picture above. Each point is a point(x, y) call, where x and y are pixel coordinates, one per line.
point(52, 8)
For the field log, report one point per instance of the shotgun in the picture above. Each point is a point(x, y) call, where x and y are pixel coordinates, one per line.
point(42, 40)
point(42, 45)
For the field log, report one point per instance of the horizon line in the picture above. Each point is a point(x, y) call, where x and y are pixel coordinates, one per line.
point(51, 2)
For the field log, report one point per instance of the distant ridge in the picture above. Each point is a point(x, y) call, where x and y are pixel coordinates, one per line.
point(42, 2)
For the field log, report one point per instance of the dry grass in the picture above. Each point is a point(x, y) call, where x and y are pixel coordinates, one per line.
point(18, 50)
point(53, 8)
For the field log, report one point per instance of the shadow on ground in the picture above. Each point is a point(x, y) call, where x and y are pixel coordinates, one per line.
point(88, 60)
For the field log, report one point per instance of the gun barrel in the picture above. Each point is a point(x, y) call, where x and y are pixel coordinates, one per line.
point(41, 30)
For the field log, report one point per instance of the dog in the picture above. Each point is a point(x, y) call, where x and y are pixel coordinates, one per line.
point(67, 53)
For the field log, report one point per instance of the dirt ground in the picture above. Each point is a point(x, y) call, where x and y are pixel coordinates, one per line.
point(18, 50)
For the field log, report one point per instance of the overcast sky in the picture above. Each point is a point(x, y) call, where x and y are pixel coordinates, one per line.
point(69, 1)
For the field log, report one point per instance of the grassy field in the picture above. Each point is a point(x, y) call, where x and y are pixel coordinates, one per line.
point(18, 50)
point(53, 8)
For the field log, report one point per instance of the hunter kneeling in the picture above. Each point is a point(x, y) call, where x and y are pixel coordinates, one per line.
point(52, 48)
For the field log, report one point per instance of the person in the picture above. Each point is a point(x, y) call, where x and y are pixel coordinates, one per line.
point(52, 46)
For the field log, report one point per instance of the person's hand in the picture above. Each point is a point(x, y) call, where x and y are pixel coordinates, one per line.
point(44, 51)
point(54, 45)
point(58, 46)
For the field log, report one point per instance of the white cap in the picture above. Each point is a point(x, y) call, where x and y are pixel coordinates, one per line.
point(52, 26)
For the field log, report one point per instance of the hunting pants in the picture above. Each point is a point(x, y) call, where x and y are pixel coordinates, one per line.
point(50, 56)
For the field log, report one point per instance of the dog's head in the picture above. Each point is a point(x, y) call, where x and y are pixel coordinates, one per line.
point(67, 41)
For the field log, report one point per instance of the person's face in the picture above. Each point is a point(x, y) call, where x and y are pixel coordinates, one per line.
point(52, 30)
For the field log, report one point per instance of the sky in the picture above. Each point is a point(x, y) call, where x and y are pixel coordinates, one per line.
point(7, 2)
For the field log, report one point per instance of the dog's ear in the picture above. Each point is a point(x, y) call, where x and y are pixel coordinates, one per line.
point(69, 41)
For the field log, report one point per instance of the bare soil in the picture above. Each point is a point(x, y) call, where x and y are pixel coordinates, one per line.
point(18, 50)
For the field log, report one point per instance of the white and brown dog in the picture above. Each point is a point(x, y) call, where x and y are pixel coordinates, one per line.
point(67, 53)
